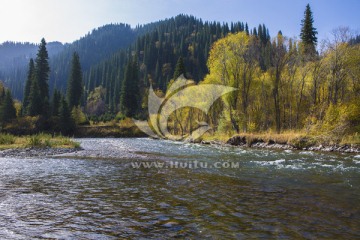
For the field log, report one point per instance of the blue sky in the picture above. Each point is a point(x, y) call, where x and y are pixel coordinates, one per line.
point(68, 20)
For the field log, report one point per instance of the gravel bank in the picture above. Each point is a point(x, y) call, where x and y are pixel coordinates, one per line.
point(36, 152)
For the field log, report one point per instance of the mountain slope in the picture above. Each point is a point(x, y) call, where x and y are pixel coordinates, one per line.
point(13, 54)
point(96, 46)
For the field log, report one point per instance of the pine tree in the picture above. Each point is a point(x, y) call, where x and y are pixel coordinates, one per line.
point(35, 107)
point(254, 32)
point(308, 33)
point(66, 123)
point(2, 92)
point(130, 90)
point(8, 111)
point(55, 103)
point(247, 29)
point(179, 69)
point(42, 75)
point(75, 84)
point(30, 76)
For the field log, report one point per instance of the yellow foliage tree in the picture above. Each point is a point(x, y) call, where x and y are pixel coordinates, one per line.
point(233, 62)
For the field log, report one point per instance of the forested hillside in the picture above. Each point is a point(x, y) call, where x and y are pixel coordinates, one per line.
point(158, 51)
point(96, 46)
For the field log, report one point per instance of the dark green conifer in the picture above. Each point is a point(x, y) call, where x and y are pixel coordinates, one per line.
point(30, 76)
point(35, 106)
point(75, 83)
point(8, 111)
point(66, 123)
point(55, 103)
point(130, 90)
point(308, 32)
point(42, 71)
point(180, 68)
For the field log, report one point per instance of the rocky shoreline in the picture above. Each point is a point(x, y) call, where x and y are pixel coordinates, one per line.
point(36, 152)
point(241, 141)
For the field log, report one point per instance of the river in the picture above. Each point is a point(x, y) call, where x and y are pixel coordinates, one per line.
point(143, 188)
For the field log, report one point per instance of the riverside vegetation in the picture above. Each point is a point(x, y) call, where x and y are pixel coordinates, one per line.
point(290, 91)
point(8, 141)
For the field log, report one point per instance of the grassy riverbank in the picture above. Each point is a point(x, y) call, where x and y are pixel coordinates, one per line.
point(8, 141)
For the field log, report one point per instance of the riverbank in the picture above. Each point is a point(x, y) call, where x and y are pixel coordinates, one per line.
point(287, 141)
point(45, 145)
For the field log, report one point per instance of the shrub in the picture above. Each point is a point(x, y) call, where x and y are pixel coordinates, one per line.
point(79, 116)
point(24, 125)
point(302, 142)
point(119, 116)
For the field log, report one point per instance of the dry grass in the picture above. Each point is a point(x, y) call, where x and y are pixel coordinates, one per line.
point(351, 139)
point(222, 137)
point(282, 138)
point(298, 139)
point(127, 123)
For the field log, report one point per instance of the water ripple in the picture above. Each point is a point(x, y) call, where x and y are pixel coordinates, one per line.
point(98, 195)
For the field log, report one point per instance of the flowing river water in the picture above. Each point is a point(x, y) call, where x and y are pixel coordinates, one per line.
point(143, 188)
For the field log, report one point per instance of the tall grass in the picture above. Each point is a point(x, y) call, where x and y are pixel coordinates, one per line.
point(7, 139)
point(46, 140)
point(35, 141)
